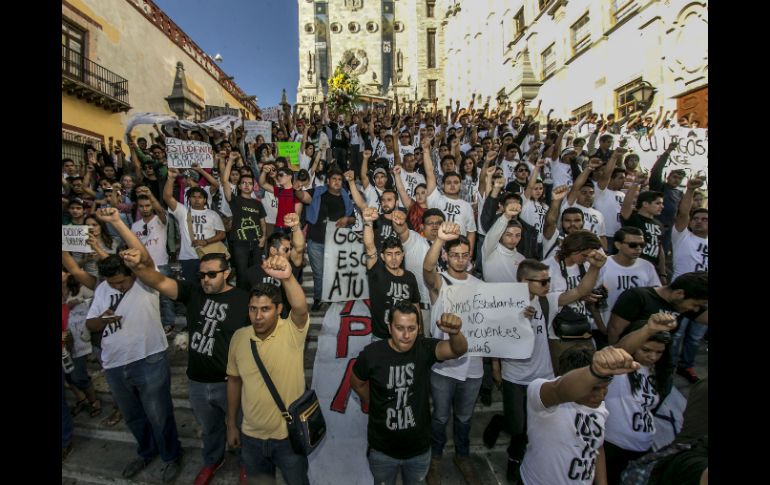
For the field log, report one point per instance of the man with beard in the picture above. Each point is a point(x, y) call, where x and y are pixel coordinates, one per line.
point(388, 282)
point(383, 226)
point(582, 196)
point(649, 205)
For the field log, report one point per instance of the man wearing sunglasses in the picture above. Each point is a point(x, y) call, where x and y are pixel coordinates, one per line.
point(215, 310)
point(454, 386)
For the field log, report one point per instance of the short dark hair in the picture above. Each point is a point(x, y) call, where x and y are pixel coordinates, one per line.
point(605, 138)
point(648, 196)
point(268, 290)
point(391, 243)
point(223, 264)
point(65, 160)
point(679, 172)
point(143, 197)
point(618, 170)
point(456, 242)
point(572, 210)
point(620, 234)
point(403, 307)
point(332, 172)
point(113, 265)
point(510, 195)
point(699, 210)
point(694, 284)
point(528, 267)
point(579, 240)
point(198, 190)
point(274, 241)
point(575, 358)
point(154, 146)
point(451, 174)
point(390, 191)
point(73, 178)
point(432, 212)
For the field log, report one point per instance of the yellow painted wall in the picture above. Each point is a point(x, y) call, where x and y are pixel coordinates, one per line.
point(76, 112)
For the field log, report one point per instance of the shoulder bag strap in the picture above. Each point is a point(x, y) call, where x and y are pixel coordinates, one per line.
point(189, 225)
point(269, 383)
point(546, 308)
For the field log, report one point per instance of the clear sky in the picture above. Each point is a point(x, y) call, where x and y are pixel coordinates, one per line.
point(258, 41)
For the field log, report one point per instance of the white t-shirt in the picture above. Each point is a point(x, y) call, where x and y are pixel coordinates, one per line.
point(564, 441)
point(465, 367)
point(691, 253)
point(372, 196)
point(404, 149)
point(455, 210)
point(154, 239)
point(538, 365)
point(617, 279)
point(558, 283)
point(209, 196)
point(76, 324)
point(270, 203)
point(355, 137)
point(631, 424)
point(509, 169)
point(609, 202)
point(533, 213)
point(304, 161)
point(411, 180)
point(561, 173)
point(139, 334)
point(469, 189)
point(415, 249)
point(593, 220)
point(205, 224)
point(500, 263)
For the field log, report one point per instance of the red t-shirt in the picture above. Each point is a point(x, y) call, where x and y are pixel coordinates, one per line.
point(286, 200)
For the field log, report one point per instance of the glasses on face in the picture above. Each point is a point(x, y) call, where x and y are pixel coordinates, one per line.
point(634, 245)
point(209, 274)
point(459, 256)
point(543, 282)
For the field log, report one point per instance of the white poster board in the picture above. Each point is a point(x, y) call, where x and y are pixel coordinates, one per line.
point(254, 128)
point(183, 153)
point(344, 265)
point(690, 155)
point(75, 239)
point(273, 113)
point(222, 123)
point(492, 318)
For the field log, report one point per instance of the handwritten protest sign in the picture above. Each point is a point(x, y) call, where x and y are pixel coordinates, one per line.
point(290, 150)
point(254, 128)
point(74, 239)
point(492, 318)
point(690, 155)
point(344, 265)
point(183, 153)
point(272, 113)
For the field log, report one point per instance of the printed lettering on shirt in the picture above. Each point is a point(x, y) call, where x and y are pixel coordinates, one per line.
point(589, 430)
point(396, 293)
point(653, 233)
point(400, 378)
point(643, 421)
point(627, 281)
point(198, 222)
point(703, 253)
point(451, 211)
point(211, 315)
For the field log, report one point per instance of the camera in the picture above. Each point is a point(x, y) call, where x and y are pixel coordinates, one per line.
point(602, 293)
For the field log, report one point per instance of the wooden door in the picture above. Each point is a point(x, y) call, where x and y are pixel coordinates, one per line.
point(697, 103)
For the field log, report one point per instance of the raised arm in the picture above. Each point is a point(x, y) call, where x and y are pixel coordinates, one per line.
point(512, 209)
point(427, 162)
point(596, 258)
point(628, 203)
point(226, 187)
point(487, 171)
point(365, 168)
point(604, 180)
point(358, 199)
point(683, 211)
point(581, 179)
point(457, 345)
point(407, 201)
point(279, 268)
point(263, 183)
point(656, 172)
point(533, 179)
point(213, 182)
point(168, 189)
point(72, 267)
point(659, 322)
point(448, 231)
point(370, 215)
point(398, 221)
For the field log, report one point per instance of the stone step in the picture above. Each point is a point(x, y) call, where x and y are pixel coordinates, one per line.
point(98, 461)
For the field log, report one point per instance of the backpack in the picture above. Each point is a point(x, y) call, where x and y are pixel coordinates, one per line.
point(648, 469)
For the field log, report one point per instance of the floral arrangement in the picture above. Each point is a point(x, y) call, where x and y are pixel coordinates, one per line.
point(343, 91)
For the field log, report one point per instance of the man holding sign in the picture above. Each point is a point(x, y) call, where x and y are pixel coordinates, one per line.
point(455, 385)
point(391, 378)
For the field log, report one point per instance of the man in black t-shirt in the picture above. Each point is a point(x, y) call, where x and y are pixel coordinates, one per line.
point(686, 296)
point(248, 232)
point(329, 203)
point(392, 378)
point(649, 205)
point(215, 310)
point(389, 283)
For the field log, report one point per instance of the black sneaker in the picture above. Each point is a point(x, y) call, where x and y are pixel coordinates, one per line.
point(316, 306)
point(486, 397)
point(512, 475)
point(137, 465)
point(492, 431)
point(689, 374)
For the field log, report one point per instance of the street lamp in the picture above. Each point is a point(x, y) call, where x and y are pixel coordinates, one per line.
point(643, 95)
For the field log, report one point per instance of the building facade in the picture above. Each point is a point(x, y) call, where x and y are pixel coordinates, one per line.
point(125, 56)
point(579, 56)
point(392, 46)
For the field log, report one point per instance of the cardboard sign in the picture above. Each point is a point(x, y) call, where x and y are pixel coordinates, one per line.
point(273, 113)
point(492, 318)
point(75, 239)
point(254, 128)
point(690, 155)
point(344, 265)
point(345, 331)
point(290, 150)
point(183, 153)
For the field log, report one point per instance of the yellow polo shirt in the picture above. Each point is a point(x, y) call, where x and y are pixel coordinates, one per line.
point(282, 353)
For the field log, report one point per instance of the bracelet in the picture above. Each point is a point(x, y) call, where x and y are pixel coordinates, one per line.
point(370, 224)
point(600, 377)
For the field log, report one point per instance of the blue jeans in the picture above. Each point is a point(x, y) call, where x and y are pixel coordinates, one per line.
point(261, 457)
point(167, 312)
point(385, 468)
point(209, 405)
point(67, 425)
point(142, 391)
point(315, 252)
point(190, 268)
point(245, 255)
point(692, 333)
point(79, 376)
point(459, 398)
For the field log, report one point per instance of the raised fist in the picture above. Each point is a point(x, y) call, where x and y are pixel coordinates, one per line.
point(370, 214)
point(448, 231)
point(449, 323)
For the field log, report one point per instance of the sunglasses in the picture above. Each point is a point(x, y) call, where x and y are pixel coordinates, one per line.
point(210, 274)
point(634, 245)
point(544, 282)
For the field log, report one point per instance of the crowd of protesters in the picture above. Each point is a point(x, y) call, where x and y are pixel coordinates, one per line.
point(459, 196)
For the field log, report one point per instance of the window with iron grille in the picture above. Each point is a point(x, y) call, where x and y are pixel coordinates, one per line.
point(583, 111)
point(548, 61)
point(431, 48)
point(581, 35)
point(73, 40)
point(73, 145)
point(624, 101)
